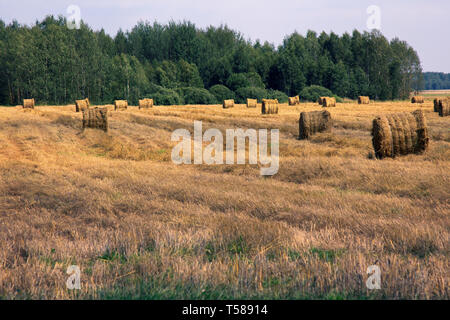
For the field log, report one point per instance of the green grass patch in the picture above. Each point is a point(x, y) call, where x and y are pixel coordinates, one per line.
point(238, 247)
point(113, 256)
point(327, 255)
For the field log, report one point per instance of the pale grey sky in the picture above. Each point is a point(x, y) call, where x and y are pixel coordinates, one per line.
point(423, 24)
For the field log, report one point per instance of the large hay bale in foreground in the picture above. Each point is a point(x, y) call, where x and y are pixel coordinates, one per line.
point(269, 106)
point(252, 103)
point(145, 103)
point(120, 105)
point(28, 103)
point(363, 100)
point(313, 122)
point(329, 102)
point(444, 107)
point(399, 134)
point(417, 99)
point(96, 118)
point(228, 103)
point(81, 105)
point(294, 100)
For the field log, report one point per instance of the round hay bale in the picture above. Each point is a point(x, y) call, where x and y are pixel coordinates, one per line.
point(423, 138)
point(269, 106)
point(363, 100)
point(228, 103)
point(294, 100)
point(81, 105)
point(444, 107)
point(399, 134)
point(328, 102)
point(252, 103)
point(28, 103)
point(145, 103)
point(405, 119)
point(270, 100)
point(382, 137)
point(313, 122)
point(394, 133)
point(436, 103)
point(417, 99)
point(320, 100)
point(120, 105)
point(96, 118)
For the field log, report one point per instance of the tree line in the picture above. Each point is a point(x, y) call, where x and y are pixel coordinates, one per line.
point(180, 63)
point(436, 80)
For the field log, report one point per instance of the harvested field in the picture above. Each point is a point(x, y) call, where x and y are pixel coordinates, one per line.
point(434, 93)
point(141, 227)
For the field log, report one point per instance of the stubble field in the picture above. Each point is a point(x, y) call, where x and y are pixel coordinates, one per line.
point(139, 226)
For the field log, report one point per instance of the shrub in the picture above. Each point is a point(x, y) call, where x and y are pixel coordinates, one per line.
point(164, 97)
point(221, 92)
point(279, 95)
point(338, 99)
point(250, 92)
point(154, 88)
point(188, 75)
point(255, 80)
point(312, 93)
point(242, 80)
point(237, 80)
point(193, 95)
